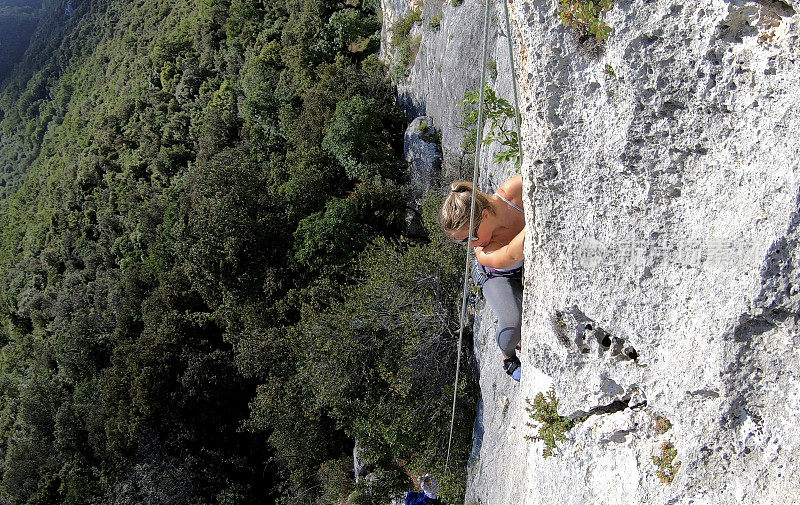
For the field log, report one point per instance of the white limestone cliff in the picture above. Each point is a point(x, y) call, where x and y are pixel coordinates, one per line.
point(662, 186)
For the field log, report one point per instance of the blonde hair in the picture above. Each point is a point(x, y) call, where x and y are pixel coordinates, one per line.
point(455, 210)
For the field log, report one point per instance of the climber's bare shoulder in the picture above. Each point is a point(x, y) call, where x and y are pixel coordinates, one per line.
point(512, 189)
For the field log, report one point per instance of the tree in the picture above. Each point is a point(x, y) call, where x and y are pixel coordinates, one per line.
point(348, 29)
point(233, 233)
point(328, 240)
point(381, 361)
point(358, 140)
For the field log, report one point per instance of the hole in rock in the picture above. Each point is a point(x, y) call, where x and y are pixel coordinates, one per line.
point(612, 407)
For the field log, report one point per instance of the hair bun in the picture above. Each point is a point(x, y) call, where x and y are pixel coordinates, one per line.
point(460, 187)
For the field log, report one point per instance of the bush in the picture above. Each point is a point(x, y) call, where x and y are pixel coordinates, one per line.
point(552, 427)
point(396, 397)
point(496, 113)
point(492, 67)
point(407, 46)
point(336, 478)
point(326, 241)
point(665, 463)
point(662, 425)
point(358, 140)
point(585, 16)
point(348, 29)
point(402, 28)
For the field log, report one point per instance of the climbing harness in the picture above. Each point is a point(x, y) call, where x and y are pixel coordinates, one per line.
point(478, 143)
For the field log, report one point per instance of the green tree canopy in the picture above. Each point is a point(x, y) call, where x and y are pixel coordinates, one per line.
point(358, 140)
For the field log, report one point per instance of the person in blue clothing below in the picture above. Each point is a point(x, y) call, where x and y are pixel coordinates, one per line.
point(498, 237)
point(428, 494)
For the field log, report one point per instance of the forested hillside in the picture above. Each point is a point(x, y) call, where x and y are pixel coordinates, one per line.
point(207, 295)
point(18, 20)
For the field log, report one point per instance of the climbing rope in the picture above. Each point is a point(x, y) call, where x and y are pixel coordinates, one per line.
point(478, 143)
point(518, 116)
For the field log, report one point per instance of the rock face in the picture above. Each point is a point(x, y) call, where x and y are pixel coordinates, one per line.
point(662, 185)
point(421, 144)
point(447, 65)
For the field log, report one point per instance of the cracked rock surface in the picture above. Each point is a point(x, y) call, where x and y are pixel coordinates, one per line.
point(663, 168)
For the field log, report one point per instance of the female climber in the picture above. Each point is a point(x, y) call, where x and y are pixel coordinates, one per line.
point(498, 236)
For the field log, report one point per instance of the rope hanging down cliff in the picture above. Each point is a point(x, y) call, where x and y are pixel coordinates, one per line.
point(478, 142)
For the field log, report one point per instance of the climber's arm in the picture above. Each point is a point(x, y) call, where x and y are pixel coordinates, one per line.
point(497, 256)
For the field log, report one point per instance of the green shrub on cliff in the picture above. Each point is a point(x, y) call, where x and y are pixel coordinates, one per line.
point(406, 45)
point(497, 114)
point(551, 427)
point(585, 15)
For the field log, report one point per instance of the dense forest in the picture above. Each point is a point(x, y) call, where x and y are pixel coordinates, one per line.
point(18, 19)
point(207, 291)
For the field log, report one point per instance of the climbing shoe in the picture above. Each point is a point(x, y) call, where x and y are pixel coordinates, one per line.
point(512, 367)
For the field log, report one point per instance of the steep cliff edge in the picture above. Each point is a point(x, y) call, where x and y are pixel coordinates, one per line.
point(661, 174)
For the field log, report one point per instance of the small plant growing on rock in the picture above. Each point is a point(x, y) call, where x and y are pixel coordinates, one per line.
point(552, 427)
point(560, 328)
point(497, 112)
point(423, 127)
point(435, 22)
point(492, 67)
point(402, 28)
point(456, 3)
point(407, 46)
point(585, 16)
point(666, 464)
point(662, 425)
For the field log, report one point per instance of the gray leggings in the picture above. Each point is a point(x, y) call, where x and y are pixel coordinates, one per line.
point(504, 295)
